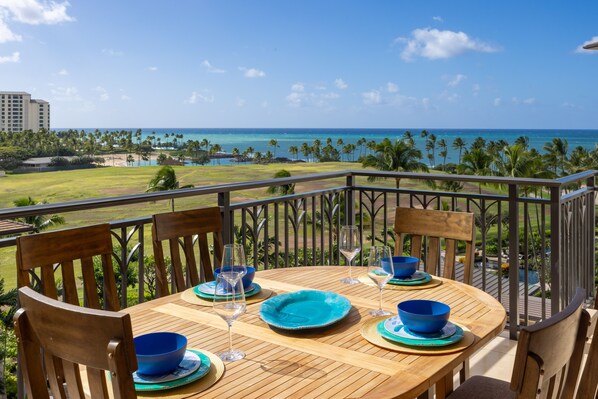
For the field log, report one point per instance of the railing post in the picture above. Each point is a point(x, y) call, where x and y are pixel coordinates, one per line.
point(513, 261)
point(227, 229)
point(591, 207)
point(555, 249)
point(350, 201)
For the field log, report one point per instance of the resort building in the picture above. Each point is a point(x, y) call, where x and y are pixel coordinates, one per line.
point(19, 112)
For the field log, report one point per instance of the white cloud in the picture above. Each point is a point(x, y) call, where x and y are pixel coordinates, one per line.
point(252, 72)
point(152, 68)
point(454, 81)
point(14, 57)
point(210, 68)
point(438, 19)
point(340, 84)
point(299, 97)
point(391, 87)
point(435, 44)
point(6, 35)
point(569, 105)
point(582, 50)
point(35, 12)
point(66, 94)
point(112, 52)
point(295, 99)
point(199, 98)
point(63, 72)
point(103, 93)
point(298, 87)
point(124, 97)
point(371, 97)
point(497, 102)
point(426, 102)
point(527, 101)
point(476, 89)
point(241, 102)
point(265, 104)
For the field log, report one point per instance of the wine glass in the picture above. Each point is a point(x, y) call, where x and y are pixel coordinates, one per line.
point(349, 246)
point(233, 261)
point(380, 271)
point(229, 303)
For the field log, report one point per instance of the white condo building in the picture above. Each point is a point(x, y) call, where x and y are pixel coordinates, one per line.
point(19, 112)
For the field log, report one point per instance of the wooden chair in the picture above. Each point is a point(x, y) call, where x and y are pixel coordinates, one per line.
point(437, 225)
point(588, 384)
point(547, 360)
point(180, 229)
point(44, 251)
point(50, 330)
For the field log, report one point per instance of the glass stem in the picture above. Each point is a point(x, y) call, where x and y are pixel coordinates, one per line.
point(380, 300)
point(230, 339)
point(350, 274)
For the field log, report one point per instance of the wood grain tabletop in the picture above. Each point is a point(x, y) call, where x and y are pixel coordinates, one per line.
point(332, 362)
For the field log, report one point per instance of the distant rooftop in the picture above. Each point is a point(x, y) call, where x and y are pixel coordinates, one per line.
point(14, 92)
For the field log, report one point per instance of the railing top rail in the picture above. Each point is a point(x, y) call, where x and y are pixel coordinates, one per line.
point(480, 179)
point(578, 176)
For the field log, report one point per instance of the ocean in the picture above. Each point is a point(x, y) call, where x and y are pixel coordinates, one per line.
point(258, 138)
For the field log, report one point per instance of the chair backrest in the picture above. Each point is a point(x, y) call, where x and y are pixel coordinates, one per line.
point(588, 384)
point(549, 353)
point(435, 226)
point(49, 330)
point(182, 229)
point(55, 250)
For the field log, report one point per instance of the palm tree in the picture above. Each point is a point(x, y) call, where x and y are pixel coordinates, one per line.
point(431, 148)
point(283, 189)
point(273, 143)
point(459, 144)
point(443, 150)
point(165, 180)
point(557, 151)
point(476, 162)
point(39, 222)
point(306, 150)
point(399, 156)
point(293, 150)
point(408, 137)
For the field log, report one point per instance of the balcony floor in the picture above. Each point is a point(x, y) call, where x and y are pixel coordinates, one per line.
point(495, 359)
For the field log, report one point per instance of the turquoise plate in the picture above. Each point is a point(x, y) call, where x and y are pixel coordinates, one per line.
point(201, 371)
point(304, 309)
point(256, 289)
point(456, 337)
point(396, 281)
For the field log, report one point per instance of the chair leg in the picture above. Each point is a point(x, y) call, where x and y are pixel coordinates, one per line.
point(444, 386)
point(464, 372)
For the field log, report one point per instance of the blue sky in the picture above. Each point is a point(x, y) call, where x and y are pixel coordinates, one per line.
point(279, 63)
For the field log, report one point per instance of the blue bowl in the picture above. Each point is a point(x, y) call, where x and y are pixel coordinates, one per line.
point(159, 352)
point(247, 279)
point(423, 316)
point(404, 266)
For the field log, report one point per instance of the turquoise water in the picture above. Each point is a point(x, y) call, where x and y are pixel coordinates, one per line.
point(258, 138)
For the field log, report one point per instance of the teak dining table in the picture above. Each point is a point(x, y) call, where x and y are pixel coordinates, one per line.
point(331, 362)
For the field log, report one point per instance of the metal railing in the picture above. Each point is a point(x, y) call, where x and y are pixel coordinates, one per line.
point(550, 222)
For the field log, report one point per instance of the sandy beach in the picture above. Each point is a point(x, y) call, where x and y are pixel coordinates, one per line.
point(121, 159)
